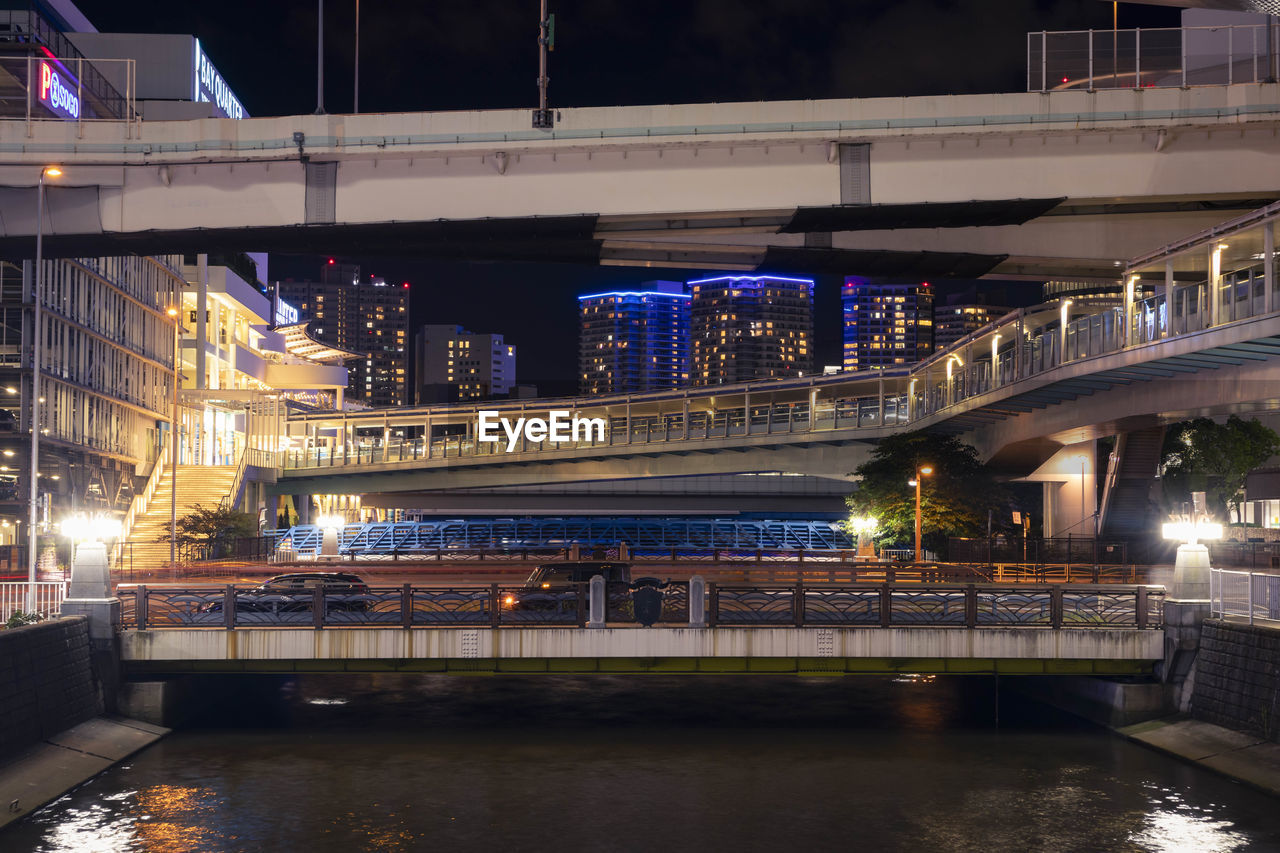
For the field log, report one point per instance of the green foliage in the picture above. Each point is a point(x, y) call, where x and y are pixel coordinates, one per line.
point(212, 530)
point(954, 500)
point(18, 619)
point(1201, 455)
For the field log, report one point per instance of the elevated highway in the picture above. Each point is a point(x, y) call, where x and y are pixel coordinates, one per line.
point(1058, 184)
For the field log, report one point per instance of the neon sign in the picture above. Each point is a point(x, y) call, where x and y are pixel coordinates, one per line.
point(57, 90)
point(211, 88)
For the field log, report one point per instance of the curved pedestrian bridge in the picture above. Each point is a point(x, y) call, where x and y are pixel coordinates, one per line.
point(889, 627)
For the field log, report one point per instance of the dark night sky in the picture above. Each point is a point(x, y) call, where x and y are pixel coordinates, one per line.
point(480, 54)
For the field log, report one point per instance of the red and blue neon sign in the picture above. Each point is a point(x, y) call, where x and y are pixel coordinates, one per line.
point(57, 89)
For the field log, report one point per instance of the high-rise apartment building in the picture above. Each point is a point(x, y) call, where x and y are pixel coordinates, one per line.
point(363, 314)
point(953, 321)
point(886, 325)
point(751, 327)
point(454, 365)
point(634, 340)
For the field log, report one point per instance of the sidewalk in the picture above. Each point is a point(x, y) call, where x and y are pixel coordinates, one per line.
point(1246, 758)
point(47, 770)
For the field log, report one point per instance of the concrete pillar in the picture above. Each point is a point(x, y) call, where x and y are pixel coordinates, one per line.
point(202, 329)
point(1130, 285)
point(697, 602)
point(1215, 272)
point(1269, 265)
point(90, 596)
point(597, 603)
point(1069, 480)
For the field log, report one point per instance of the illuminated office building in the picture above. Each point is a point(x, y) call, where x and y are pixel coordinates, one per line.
point(751, 327)
point(886, 325)
point(634, 340)
point(954, 320)
point(362, 314)
point(453, 365)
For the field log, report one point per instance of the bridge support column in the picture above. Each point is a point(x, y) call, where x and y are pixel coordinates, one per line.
point(1070, 490)
point(1268, 265)
point(90, 596)
point(1184, 613)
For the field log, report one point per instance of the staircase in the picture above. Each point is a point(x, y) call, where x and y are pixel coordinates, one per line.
point(1126, 503)
point(206, 485)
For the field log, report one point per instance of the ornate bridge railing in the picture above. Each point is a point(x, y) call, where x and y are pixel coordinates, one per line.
point(885, 605)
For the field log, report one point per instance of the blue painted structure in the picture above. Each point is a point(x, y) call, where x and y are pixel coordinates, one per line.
point(590, 531)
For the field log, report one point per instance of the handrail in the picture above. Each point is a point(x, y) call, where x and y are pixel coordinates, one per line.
point(1113, 474)
point(237, 485)
point(141, 501)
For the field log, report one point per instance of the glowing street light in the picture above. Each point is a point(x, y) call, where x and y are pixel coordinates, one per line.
point(864, 527)
point(921, 472)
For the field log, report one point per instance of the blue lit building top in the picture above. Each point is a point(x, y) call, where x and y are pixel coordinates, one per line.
point(634, 340)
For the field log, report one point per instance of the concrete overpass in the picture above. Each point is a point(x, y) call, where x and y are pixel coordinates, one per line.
point(1045, 185)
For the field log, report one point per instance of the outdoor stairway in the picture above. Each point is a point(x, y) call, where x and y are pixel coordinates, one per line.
point(148, 546)
point(1127, 509)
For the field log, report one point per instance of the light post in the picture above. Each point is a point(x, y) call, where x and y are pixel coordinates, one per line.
point(921, 472)
point(1191, 568)
point(38, 280)
point(950, 391)
point(355, 107)
point(175, 315)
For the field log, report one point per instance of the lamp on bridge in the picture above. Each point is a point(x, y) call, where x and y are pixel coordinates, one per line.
point(921, 472)
point(89, 594)
point(329, 526)
point(1191, 568)
point(950, 359)
point(864, 527)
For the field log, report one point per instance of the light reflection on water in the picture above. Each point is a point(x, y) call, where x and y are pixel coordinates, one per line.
point(584, 764)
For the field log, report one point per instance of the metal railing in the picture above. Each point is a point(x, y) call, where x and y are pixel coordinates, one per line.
point(797, 605)
point(79, 81)
point(1171, 57)
point(1252, 596)
point(49, 598)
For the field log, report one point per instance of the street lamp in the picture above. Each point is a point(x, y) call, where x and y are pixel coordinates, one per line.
point(864, 527)
point(46, 172)
point(174, 313)
point(921, 472)
point(950, 392)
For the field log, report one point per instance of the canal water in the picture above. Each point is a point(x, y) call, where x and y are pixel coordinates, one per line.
point(391, 763)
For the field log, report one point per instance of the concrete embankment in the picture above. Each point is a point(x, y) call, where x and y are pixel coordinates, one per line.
point(53, 735)
point(1244, 757)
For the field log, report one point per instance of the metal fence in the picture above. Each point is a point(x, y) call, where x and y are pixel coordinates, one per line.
point(499, 606)
point(1059, 550)
point(1253, 596)
point(1151, 58)
point(49, 597)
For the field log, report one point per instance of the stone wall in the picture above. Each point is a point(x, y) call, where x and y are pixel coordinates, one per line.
point(1237, 678)
point(47, 682)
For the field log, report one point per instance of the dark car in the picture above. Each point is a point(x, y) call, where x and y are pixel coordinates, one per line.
point(554, 586)
point(295, 593)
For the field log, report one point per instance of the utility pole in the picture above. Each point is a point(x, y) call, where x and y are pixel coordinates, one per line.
point(319, 57)
point(356, 106)
point(543, 118)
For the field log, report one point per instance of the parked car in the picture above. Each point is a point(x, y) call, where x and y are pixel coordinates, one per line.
point(294, 593)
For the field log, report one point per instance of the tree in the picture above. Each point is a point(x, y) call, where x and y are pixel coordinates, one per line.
point(1203, 456)
point(214, 529)
point(954, 500)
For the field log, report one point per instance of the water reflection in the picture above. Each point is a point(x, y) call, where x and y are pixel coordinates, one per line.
point(392, 763)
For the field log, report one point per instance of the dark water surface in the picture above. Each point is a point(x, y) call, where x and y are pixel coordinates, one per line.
point(643, 763)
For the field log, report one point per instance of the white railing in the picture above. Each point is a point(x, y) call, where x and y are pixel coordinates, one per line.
point(1175, 57)
point(140, 503)
point(1253, 596)
point(49, 596)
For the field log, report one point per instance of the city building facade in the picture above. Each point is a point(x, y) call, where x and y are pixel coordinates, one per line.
point(361, 314)
point(452, 365)
point(634, 340)
point(885, 325)
point(751, 327)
